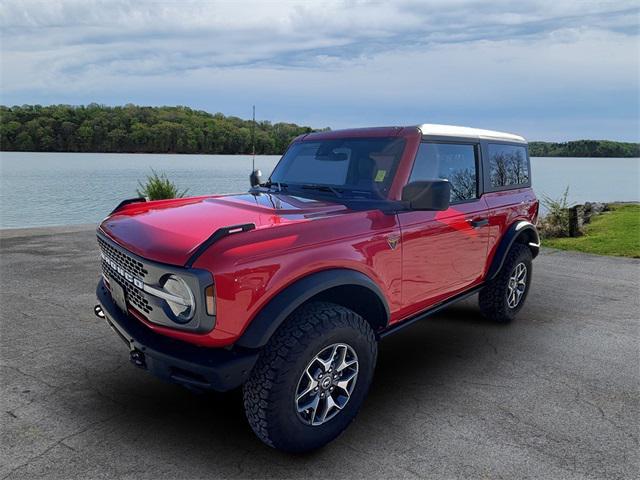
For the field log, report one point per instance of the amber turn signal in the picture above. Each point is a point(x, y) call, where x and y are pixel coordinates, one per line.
point(210, 296)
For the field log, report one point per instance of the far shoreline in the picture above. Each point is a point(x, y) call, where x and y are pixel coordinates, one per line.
point(251, 154)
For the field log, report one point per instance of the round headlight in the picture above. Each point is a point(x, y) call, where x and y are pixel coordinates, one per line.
point(182, 305)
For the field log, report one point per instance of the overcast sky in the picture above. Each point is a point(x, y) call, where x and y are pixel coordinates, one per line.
point(548, 69)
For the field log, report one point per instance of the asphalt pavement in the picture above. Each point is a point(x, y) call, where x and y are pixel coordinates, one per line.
point(556, 394)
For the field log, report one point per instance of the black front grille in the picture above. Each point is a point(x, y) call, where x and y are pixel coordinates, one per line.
point(134, 295)
point(131, 265)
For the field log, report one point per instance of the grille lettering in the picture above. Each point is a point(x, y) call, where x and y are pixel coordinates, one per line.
point(122, 272)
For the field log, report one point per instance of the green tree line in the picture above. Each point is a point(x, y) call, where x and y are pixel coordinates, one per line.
point(136, 129)
point(584, 148)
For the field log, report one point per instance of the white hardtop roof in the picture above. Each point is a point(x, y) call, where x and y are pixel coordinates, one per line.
point(454, 131)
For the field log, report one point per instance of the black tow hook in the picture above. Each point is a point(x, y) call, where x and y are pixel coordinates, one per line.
point(137, 358)
point(98, 311)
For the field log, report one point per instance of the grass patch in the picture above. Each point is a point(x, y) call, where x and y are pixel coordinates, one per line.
point(616, 232)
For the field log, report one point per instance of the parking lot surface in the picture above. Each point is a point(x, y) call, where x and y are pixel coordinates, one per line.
point(553, 395)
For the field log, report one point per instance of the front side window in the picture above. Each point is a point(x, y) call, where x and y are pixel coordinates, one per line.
point(456, 163)
point(358, 166)
point(508, 165)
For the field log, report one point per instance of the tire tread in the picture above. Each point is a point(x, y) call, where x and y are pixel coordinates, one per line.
point(492, 298)
point(309, 321)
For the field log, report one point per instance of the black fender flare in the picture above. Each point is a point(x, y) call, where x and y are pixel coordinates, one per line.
point(278, 309)
point(522, 231)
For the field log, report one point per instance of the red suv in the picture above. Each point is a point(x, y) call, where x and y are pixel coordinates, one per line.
point(287, 289)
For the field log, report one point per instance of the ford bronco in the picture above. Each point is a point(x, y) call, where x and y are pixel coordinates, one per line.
point(285, 290)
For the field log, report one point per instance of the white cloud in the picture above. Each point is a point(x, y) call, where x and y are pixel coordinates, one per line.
point(393, 60)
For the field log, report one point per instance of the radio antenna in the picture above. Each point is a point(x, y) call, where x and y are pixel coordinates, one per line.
point(253, 140)
point(256, 176)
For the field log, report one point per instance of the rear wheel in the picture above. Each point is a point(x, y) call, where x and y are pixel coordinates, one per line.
point(311, 378)
point(504, 296)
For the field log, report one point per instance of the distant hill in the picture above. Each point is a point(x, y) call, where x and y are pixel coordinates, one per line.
point(136, 129)
point(584, 148)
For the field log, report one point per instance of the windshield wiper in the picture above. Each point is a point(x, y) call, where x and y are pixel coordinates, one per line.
point(278, 185)
point(321, 188)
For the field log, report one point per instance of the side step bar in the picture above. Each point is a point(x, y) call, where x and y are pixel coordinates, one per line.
point(421, 316)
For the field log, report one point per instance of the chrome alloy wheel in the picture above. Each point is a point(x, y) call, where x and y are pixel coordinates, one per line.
point(517, 285)
point(326, 384)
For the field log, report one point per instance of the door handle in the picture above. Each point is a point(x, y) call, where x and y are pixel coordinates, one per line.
point(478, 222)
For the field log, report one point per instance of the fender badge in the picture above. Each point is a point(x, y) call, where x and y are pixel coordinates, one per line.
point(393, 242)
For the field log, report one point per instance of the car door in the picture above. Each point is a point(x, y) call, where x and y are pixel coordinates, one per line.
point(444, 252)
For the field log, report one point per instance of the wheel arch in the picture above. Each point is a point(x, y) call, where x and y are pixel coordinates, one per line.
point(346, 287)
point(522, 232)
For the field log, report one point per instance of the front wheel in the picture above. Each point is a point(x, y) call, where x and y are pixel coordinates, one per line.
point(311, 378)
point(504, 296)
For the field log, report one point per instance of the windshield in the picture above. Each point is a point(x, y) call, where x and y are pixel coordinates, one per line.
point(350, 166)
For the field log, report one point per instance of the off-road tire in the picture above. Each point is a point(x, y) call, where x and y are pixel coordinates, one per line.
point(493, 297)
point(269, 393)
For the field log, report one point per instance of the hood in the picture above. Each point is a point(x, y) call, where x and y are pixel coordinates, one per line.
point(169, 231)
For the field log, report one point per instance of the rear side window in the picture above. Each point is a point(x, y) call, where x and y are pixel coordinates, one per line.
point(508, 166)
point(453, 162)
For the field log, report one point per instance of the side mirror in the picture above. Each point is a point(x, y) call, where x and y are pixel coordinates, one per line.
point(255, 178)
point(427, 194)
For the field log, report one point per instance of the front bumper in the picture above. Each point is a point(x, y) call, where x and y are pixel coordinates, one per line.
point(173, 360)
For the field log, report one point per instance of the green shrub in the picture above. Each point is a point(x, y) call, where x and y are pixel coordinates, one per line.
point(556, 221)
point(159, 187)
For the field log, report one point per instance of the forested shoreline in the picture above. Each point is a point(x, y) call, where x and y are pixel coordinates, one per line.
point(585, 148)
point(138, 129)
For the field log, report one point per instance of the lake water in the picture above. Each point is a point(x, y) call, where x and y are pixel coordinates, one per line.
point(41, 189)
